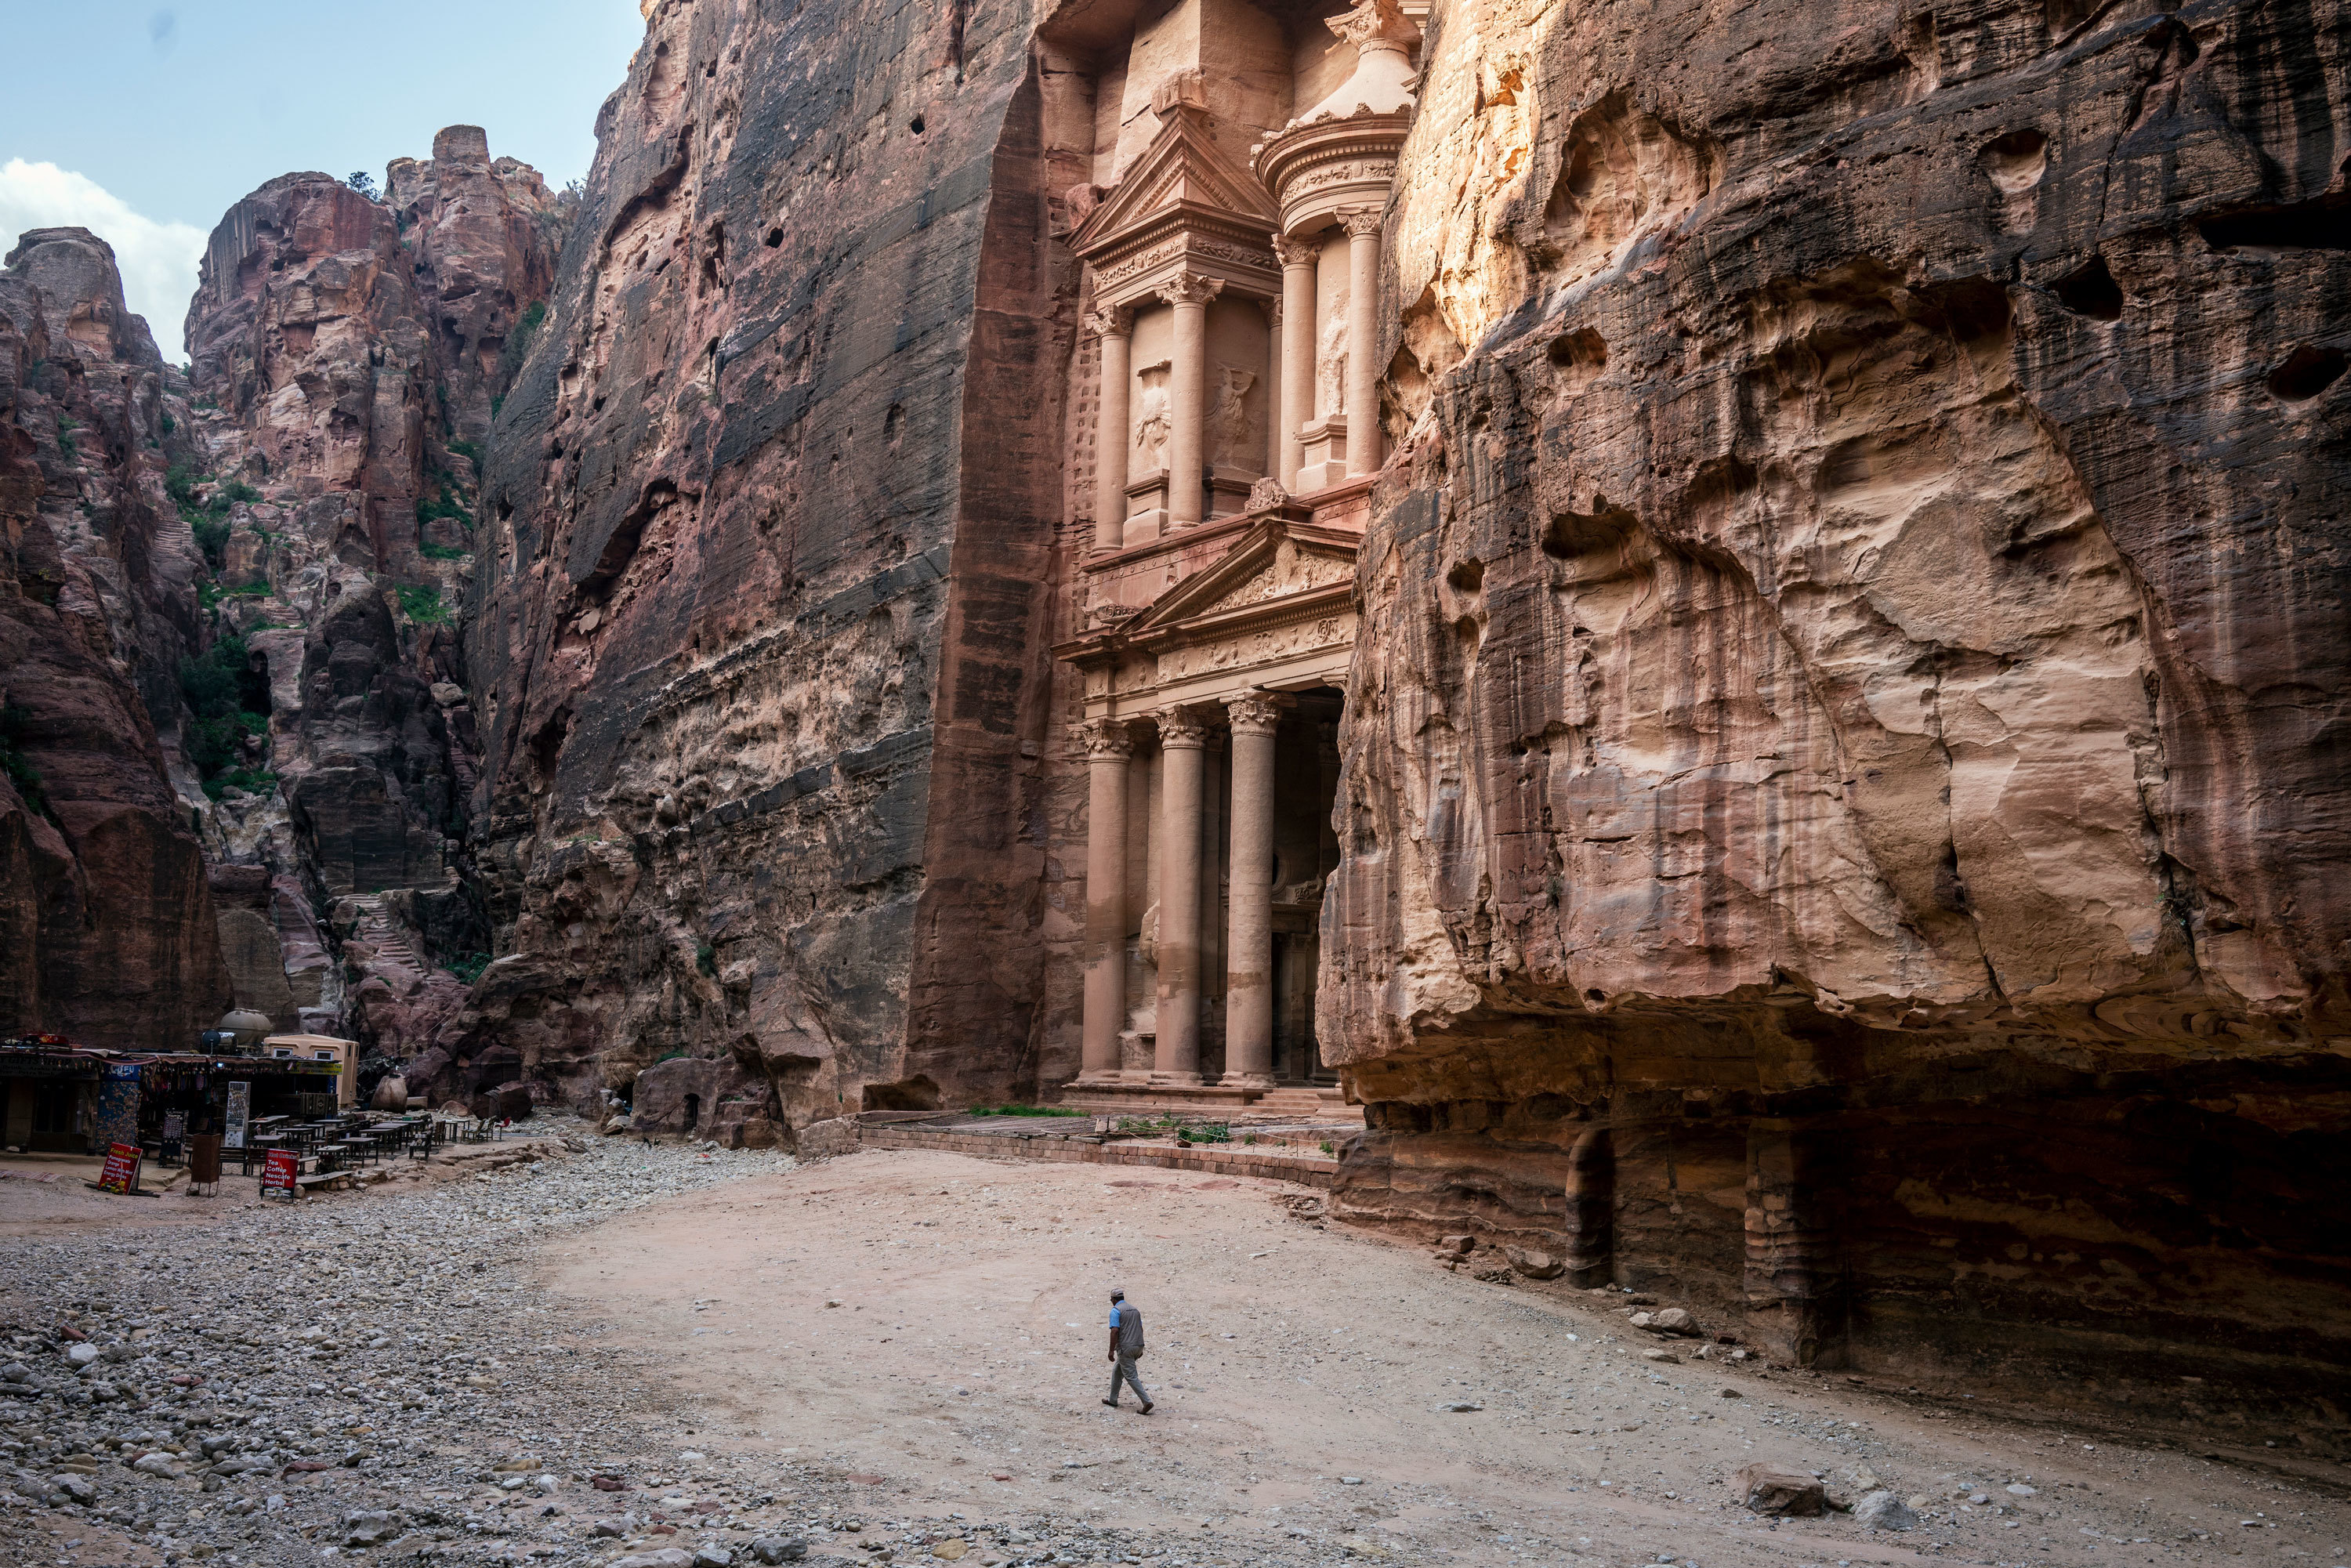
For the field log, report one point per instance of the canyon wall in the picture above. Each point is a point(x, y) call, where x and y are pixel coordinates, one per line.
point(1845, 804)
point(758, 625)
point(107, 930)
point(347, 355)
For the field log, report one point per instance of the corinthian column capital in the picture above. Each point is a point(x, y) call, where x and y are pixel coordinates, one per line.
point(1117, 321)
point(1296, 252)
point(1102, 738)
point(1181, 729)
point(1361, 222)
point(1260, 713)
point(1191, 288)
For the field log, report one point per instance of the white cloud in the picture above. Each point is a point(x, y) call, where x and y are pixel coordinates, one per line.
point(158, 259)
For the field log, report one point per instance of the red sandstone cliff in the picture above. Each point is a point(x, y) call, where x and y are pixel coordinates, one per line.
point(761, 624)
point(1844, 806)
point(348, 352)
point(106, 921)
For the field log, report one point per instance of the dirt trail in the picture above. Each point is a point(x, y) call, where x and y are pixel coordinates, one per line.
point(964, 1358)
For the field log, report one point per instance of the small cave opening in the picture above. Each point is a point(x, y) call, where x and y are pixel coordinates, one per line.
point(692, 1111)
point(2016, 161)
point(2305, 373)
point(2090, 290)
point(915, 125)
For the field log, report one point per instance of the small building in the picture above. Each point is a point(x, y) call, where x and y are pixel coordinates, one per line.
point(320, 1048)
point(57, 1097)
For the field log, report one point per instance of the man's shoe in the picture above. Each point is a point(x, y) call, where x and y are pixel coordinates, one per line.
point(1147, 1409)
point(1112, 1403)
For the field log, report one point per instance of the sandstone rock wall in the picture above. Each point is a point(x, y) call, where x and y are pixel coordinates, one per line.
point(106, 921)
point(347, 353)
point(1849, 727)
point(761, 617)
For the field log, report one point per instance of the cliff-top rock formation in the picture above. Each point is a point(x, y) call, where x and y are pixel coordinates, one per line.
point(347, 352)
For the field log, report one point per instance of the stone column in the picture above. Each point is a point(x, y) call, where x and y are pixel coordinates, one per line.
point(1273, 388)
point(1107, 753)
point(1299, 260)
point(1188, 397)
point(1177, 1056)
point(1248, 951)
point(1115, 329)
point(1362, 343)
point(1795, 1277)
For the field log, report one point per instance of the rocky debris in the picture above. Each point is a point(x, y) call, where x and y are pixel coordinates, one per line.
point(1770, 1489)
point(346, 1352)
point(1884, 1511)
point(1534, 1265)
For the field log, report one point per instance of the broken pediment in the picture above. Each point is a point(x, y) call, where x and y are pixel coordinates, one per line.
point(1181, 169)
point(1277, 560)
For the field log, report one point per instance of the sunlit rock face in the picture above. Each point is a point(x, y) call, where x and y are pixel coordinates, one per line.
point(106, 920)
point(1845, 796)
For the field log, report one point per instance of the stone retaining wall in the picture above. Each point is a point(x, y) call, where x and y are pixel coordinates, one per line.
point(1065, 1148)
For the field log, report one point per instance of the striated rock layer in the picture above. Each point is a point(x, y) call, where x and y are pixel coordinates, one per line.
point(1844, 800)
point(347, 354)
point(107, 927)
point(761, 617)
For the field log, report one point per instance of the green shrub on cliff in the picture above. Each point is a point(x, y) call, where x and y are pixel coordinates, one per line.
point(423, 605)
point(516, 348)
point(227, 700)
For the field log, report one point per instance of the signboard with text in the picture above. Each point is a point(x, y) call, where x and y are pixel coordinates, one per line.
point(277, 1178)
point(240, 1112)
point(122, 1172)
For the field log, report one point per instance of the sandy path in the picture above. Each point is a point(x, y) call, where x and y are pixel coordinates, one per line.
point(965, 1357)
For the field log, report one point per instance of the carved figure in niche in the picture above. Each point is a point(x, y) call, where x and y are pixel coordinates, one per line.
point(1330, 363)
point(1150, 421)
point(1230, 419)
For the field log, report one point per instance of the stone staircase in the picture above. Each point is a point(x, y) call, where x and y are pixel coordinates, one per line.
point(365, 920)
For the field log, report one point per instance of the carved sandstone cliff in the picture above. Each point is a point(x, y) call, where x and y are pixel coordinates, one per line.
point(106, 925)
point(760, 640)
point(1844, 800)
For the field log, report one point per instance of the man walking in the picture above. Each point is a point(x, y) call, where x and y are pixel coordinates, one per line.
point(1125, 1345)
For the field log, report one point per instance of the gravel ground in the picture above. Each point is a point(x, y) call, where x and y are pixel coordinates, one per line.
point(590, 1357)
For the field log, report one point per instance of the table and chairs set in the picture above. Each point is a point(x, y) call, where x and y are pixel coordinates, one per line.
point(341, 1142)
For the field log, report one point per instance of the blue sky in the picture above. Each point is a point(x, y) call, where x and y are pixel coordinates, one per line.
point(143, 122)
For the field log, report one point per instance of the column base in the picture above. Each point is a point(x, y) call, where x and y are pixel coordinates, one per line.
point(1144, 526)
point(1257, 1081)
point(1098, 1078)
point(1175, 1080)
point(1314, 476)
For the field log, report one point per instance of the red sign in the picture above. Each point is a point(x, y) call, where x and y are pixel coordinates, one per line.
point(278, 1175)
point(122, 1172)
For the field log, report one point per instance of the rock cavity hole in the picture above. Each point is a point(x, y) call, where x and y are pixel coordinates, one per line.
point(2091, 290)
point(2302, 374)
point(2016, 161)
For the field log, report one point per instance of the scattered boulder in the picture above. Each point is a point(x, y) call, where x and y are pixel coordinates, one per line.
point(369, 1529)
point(1534, 1265)
point(1773, 1489)
point(1884, 1511)
point(714, 1557)
point(1459, 1246)
point(667, 1557)
point(774, 1549)
point(1673, 1321)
